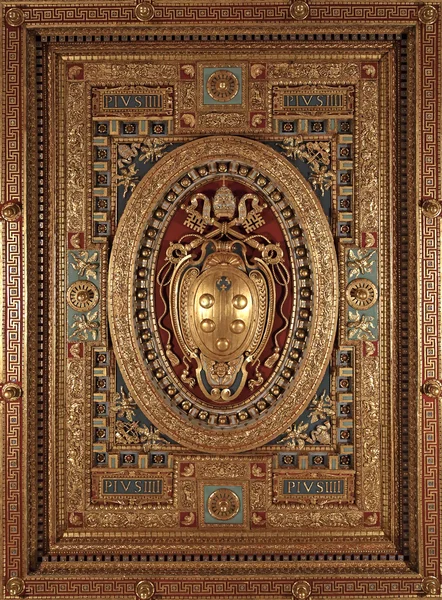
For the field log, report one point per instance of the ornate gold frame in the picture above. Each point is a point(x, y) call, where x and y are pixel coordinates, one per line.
point(42, 555)
point(120, 291)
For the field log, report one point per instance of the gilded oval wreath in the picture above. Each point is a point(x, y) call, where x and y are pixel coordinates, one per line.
point(223, 294)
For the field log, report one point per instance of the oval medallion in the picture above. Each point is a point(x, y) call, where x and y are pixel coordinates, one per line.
point(223, 318)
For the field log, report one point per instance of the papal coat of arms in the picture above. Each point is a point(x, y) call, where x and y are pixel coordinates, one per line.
point(222, 300)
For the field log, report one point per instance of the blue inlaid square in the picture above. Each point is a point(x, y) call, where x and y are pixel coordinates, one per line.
point(345, 126)
point(102, 204)
point(158, 459)
point(158, 128)
point(102, 128)
point(287, 127)
point(128, 459)
point(208, 71)
point(288, 459)
point(236, 519)
point(317, 126)
point(319, 459)
point(344, 229)
point(344, 203)
point(129, 128)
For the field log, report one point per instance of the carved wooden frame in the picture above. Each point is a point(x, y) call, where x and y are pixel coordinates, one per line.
point(29, 523)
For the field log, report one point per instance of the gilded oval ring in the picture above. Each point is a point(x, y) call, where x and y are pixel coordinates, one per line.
point(300, 196)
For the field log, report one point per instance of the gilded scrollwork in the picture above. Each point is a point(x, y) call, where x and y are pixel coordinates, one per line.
point(188, 497)
point(258, 495)
point(127, 178)
point(223, 121)
point(314, 72)
point(317, 155)
point(128, 73)
point(76, 151)
point(369, 154)
point(188, 96)
point(299, 434)
point(258, 92)
point(155, 519)
point(130, 431)
point(75, 452)
point(320, 518)
point(371, 432)
point(230, 469)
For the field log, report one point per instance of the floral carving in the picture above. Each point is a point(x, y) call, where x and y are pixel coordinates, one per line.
point(76, 151)
point(320, 409)
point(85, 264)
point(369, 156)
point(85, 327)
point(360, 327)
point(360, 262)
point(314, 519)
point(314, 72)
point(316, 155)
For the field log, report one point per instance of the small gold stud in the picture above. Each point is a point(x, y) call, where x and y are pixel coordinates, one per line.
point(15, 586)
point(15, 17)
point(301, 590)
point(431, 208)
point(299, 10)
point(145, 590)
point(144, 11)
point(427, 14)
point(432, 388)
point(11, 211)
point(11, 391)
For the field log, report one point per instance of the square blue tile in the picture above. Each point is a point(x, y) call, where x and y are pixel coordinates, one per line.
point(208, 71)
point(237, 519)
